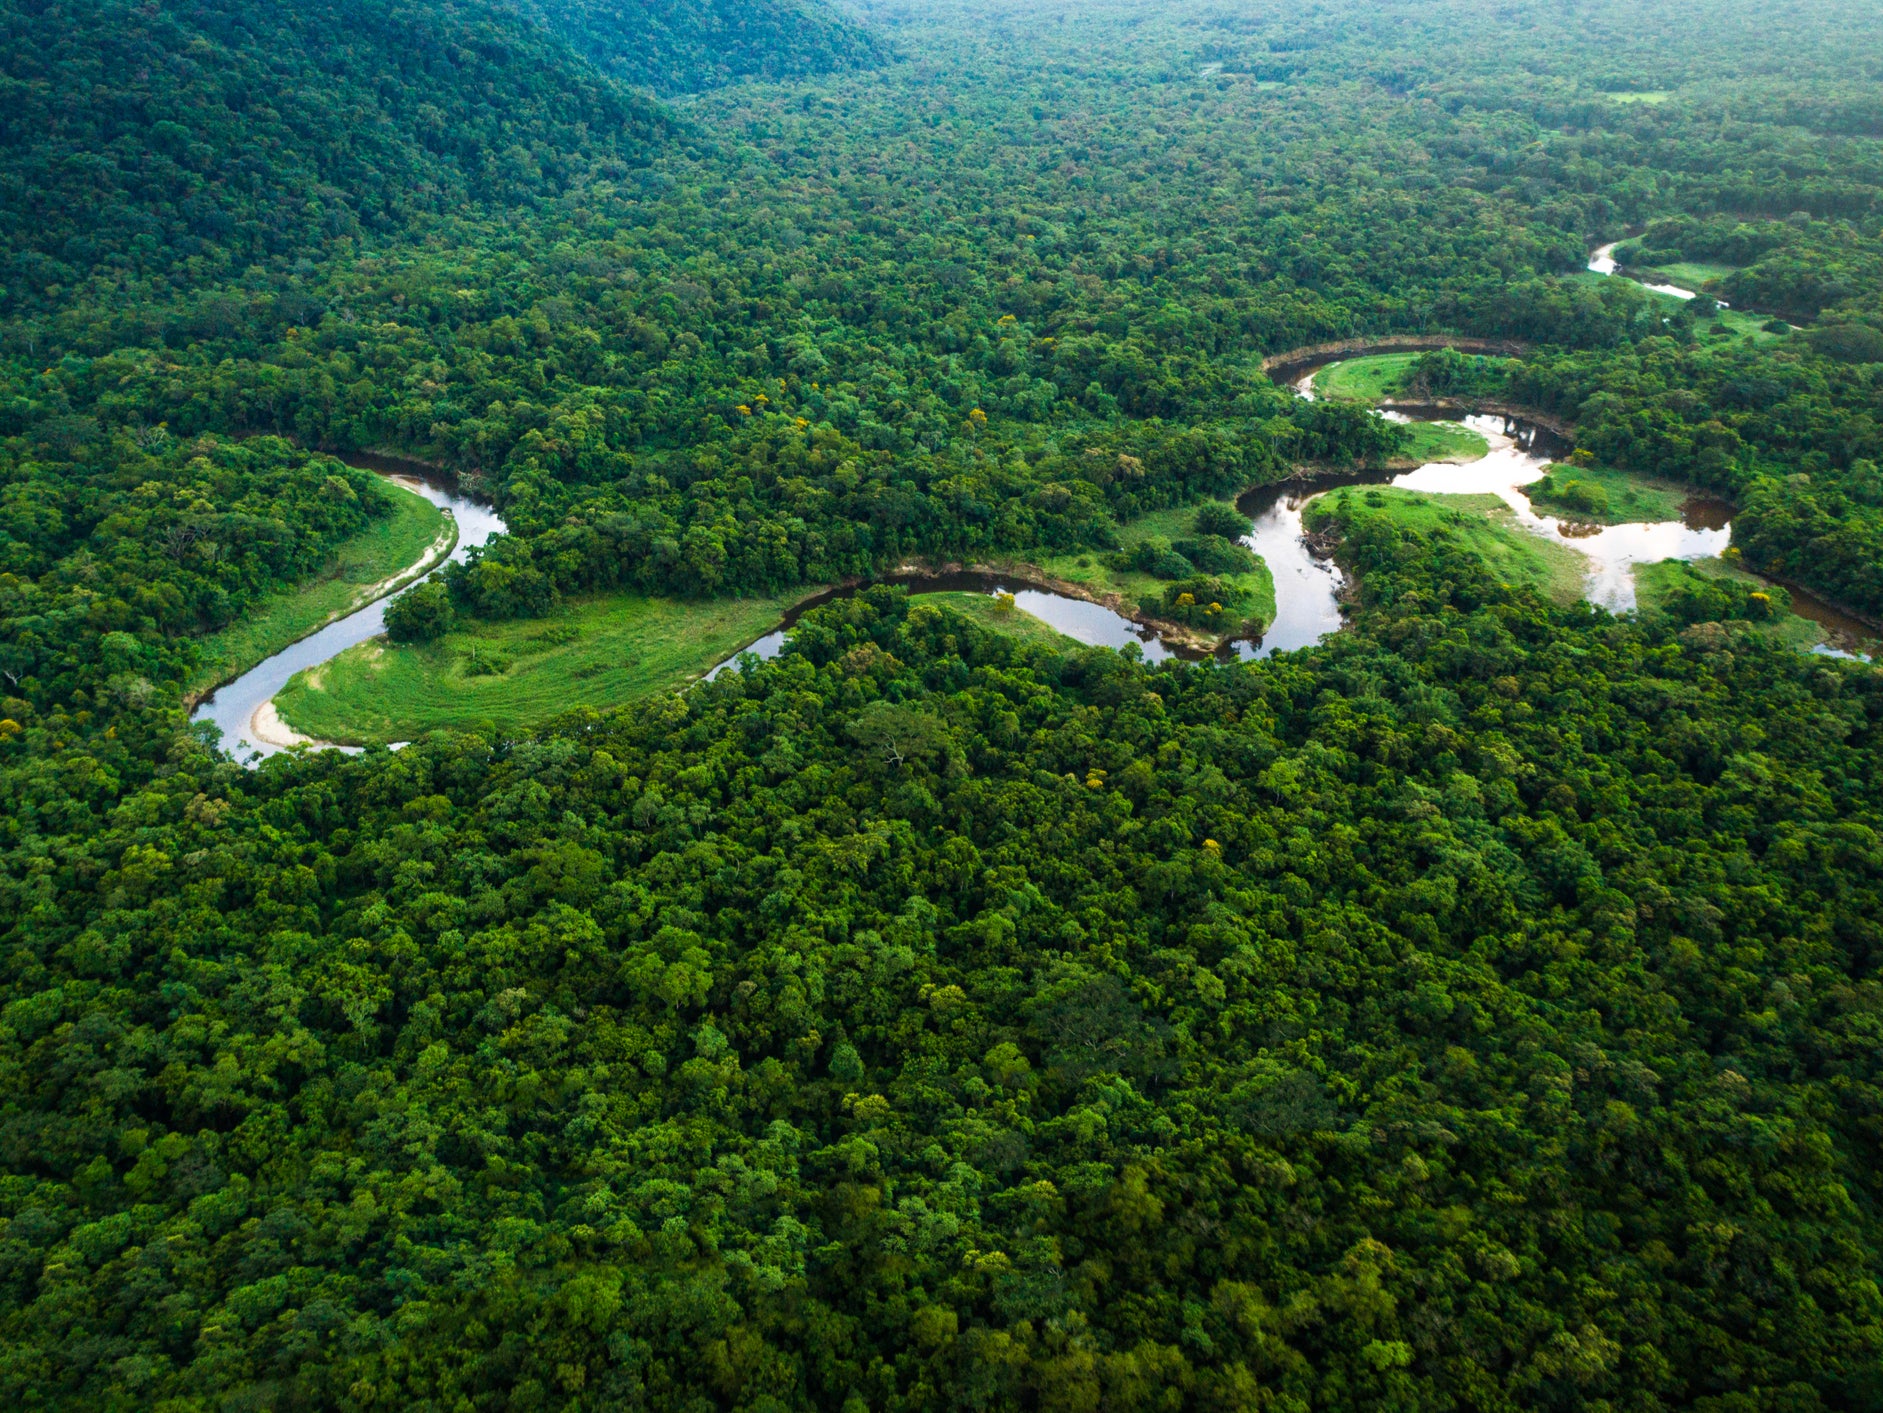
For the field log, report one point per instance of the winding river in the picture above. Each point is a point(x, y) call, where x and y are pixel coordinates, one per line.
point(244, 709)
point(1307, 587)
point(1519, 454)
point(1602, 261)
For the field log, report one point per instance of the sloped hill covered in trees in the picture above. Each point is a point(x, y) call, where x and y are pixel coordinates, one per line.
point(137, 138)
point(677, 46)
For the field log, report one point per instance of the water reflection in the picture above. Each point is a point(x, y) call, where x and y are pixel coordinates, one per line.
point(1079, 619)
point(234, 706)
point(1307, 586)
point(1613, 551)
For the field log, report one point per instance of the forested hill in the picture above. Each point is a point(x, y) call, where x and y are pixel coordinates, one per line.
point(678, 46)
point(227, 132)
point(137, 137)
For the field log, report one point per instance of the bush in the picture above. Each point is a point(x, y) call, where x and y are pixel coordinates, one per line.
point(1201, 601)
point(1156, 557)
point(1445, 372)
point(420, 615)
point(1222, 521)
point(1583, 497)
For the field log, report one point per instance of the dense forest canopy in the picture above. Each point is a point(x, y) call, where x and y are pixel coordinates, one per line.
point(1478, 1010)
point(673, 46)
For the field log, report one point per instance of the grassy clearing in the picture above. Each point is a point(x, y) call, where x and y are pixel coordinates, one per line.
point(1693, 274)
point(985, 610)
point(1444, 441)
point(597, 652)
point(1088, 571)
point(1624, 497)
point(1747, 326)
point(377, 553)
point(1737, 324)
point(1484, 524)
point(1653, 98)
point(1363, 379)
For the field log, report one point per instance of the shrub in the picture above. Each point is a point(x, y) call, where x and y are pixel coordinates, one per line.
point(1583, 497)
point(420, 615)
point(1201, 601)
point(1222, 521)
point(1702, 598)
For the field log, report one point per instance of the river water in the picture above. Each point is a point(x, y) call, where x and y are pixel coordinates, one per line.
point(1602, 261)
point(1307, 587)
point(232, 706)
point(1519, 454)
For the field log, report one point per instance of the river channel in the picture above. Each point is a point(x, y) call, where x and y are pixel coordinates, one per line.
point(241, 709)
point(1602, 261)
point(1308, 588)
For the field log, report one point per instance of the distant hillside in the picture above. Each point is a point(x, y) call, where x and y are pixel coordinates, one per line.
point(137, 135)
point(673, 46)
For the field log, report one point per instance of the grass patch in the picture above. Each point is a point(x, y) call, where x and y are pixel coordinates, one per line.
point(597, 652)
point(1738, 324)
point(1483, 524)
point(1653, 98)
point(1618, 498)
point(1087, 568)
point(1748, 326)
point(1693, 274)
point(1444, 441)
point(1363, 379)
point(985, 610)
point(378, 552)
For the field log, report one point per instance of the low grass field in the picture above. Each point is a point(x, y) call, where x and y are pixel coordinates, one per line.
point(597, 652)
point(985, 610)
point(1483, 523)
point(1444, 441)
point(1629, 498)
point(377, 553)
point(1363, 379)
point(1693, 274)
point(1087, 568)
point(1748, 326)
point(1653, 98)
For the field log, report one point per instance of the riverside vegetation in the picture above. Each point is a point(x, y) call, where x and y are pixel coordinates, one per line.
point(1477, 1010)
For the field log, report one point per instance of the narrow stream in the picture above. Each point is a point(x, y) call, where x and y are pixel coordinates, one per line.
point(234, 705)
point(1602, 262)
point(1079, 619)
